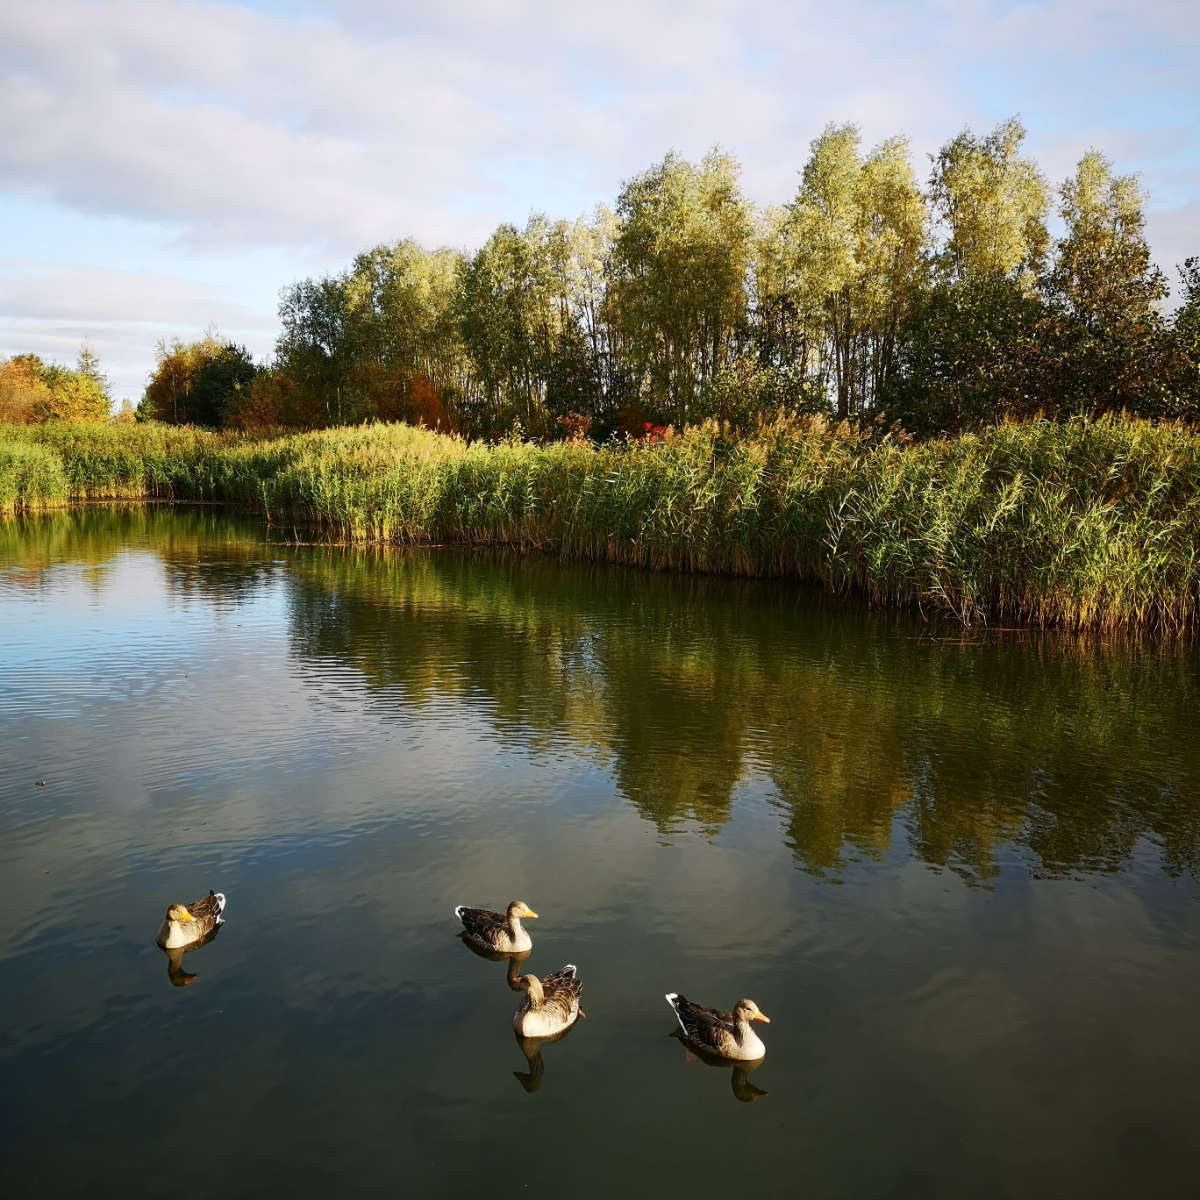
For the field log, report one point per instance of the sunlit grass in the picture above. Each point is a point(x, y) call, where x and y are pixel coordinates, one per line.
point(1088, 524)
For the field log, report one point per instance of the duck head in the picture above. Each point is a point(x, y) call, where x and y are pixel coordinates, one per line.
point(518, 909)
point(747, 1010)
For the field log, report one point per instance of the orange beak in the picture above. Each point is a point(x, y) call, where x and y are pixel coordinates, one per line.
point(761, 1016)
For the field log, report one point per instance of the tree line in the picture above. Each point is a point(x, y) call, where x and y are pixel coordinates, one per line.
point(869, 297)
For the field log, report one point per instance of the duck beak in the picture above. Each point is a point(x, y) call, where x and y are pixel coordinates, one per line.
point(187, 916)
point(529, 913)
point(761, 1016)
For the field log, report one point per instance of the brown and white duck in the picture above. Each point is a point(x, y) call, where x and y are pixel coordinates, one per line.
point(726, 1035)
point(188, 923)
point(502, 932)
point(550, 1006)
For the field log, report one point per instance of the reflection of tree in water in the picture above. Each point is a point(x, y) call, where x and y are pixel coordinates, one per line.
point(418, 629)
point(684, 685)
point(676, 726)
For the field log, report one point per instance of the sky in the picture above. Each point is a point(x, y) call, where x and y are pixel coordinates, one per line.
point(167, 165)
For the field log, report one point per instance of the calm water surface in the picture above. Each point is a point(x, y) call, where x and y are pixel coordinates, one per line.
point(961, 875)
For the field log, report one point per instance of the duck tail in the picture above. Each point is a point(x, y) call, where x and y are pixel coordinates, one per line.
point(673, 999)
point(219, 897)
point(458, 910)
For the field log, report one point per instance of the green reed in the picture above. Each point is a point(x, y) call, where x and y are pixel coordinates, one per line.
point(1087, 524)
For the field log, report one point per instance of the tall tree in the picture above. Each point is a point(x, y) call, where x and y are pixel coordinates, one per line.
point(970, 351)
point(401, 319)
point(992, 203)
point(857, 232)
point(505, 302)
point(317, 347)
point(590, 247)
point(1109, 335)
point(677, 292)
point(94, 382)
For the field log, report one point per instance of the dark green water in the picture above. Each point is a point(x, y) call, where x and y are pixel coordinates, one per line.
point(962, 877)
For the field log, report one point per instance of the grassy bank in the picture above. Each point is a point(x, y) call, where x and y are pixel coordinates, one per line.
point(1088, 524)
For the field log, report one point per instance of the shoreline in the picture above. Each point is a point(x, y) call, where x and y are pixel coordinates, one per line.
point(1085, 525)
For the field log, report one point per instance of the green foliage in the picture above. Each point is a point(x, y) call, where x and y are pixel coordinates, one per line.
point(852, 252)
point(992, 204)
point(380, 340)
point(677, 297)
point(969, 353)
point(1106, 333)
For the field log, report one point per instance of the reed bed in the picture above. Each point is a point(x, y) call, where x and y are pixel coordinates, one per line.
point(1085, 524)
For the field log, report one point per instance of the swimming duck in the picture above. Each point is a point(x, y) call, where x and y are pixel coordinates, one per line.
point(493, 931)
point(550, 1005)
point(185, 924)
point(727, 1035)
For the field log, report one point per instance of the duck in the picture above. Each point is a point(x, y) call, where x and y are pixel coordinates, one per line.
point(550, 1006)
point(503, 933)
point(726, 1035)
point(185, 924)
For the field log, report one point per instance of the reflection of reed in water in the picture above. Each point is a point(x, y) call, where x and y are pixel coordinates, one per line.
point(175, 972)
point(739, 1072)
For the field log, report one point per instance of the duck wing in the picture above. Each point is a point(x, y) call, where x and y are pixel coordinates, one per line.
point(482, 924)
point(708, 1027)
point(207, 912)
point(561, 992)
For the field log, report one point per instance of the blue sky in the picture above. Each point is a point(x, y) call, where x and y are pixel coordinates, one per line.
point(170, 164)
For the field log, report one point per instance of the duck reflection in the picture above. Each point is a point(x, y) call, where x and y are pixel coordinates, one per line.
point(531, 1080)
point(739, 1072)
point(512, 975)
point(175, 972)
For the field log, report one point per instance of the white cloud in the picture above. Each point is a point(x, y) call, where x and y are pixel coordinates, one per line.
point(50, 309)
point(221, 127)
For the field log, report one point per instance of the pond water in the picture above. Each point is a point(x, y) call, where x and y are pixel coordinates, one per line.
point(960, 873)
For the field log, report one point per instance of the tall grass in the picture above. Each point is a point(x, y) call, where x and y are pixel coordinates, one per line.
point(1088, 524)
